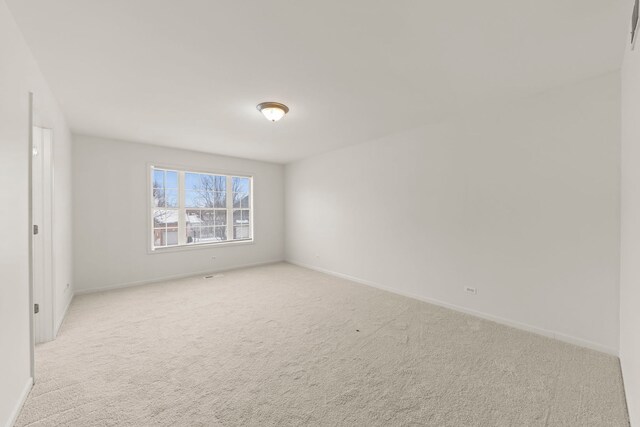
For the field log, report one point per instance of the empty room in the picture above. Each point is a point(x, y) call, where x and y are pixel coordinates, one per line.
point(336, 213)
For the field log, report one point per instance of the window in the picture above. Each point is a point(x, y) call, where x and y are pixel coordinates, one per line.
point(194, 208)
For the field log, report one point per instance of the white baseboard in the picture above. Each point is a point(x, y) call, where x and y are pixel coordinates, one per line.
point(61, 319)
point(514, 324)
point(23, 398)
point(172, 277)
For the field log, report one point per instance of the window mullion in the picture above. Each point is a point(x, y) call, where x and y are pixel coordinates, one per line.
point(229, 207)
point(151, 203)
point(250, 210)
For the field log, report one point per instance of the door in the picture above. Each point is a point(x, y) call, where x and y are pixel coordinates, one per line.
point(42, 248)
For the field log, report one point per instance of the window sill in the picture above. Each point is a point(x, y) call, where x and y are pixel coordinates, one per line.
point(199, 246)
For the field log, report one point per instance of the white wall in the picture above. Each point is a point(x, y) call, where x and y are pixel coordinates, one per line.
point(630, 254)
point(19, 75)
point(522, 203)
point(111, 212)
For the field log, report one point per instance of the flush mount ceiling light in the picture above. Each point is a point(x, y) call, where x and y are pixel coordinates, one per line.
point(273, 111)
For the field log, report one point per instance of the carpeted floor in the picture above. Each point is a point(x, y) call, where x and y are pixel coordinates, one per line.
point(280, 345)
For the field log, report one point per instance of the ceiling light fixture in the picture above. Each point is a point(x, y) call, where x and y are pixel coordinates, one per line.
point(273, 111)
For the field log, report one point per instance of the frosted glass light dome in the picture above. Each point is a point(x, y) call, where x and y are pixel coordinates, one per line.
point(273, 111)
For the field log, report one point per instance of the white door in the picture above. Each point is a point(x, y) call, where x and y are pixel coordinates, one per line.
point(42, 189)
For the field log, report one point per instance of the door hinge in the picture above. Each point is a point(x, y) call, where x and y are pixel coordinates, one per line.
point(35, 229)
point(36, 308)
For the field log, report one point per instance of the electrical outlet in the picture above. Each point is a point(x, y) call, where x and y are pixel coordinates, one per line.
point(470, 290)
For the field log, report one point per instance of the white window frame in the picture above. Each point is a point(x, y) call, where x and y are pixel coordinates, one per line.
point(182, 244)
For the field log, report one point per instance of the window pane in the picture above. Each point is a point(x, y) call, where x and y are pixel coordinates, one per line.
point(208, 199)
point(220, 183)
point(241, 200)
point(240, 185)
point(165, 218)
point(193, 234)
point(193, 217)
point(191, 181)
point(221, 217)
point(204, 182)
point(241, 233)
point(158, 198)
point(158, 178)
point(159, 218)
point(200, 199)
point(221, 233)
point(171, 179)
point(172, 236)
point(207, 234)
point(207, 183)
point(207, 218)
point(171, 198)
point(220, 200)
point(240, 217)
point(190, 199)
point(159, 237)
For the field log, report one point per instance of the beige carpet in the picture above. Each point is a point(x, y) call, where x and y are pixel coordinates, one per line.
point(280, 345)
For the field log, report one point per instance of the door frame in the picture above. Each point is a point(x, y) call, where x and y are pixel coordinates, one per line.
point(29, 153)
point(42, 328)
point(42, 203)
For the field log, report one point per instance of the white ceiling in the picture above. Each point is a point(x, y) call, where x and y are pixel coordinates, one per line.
point(189, 73)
